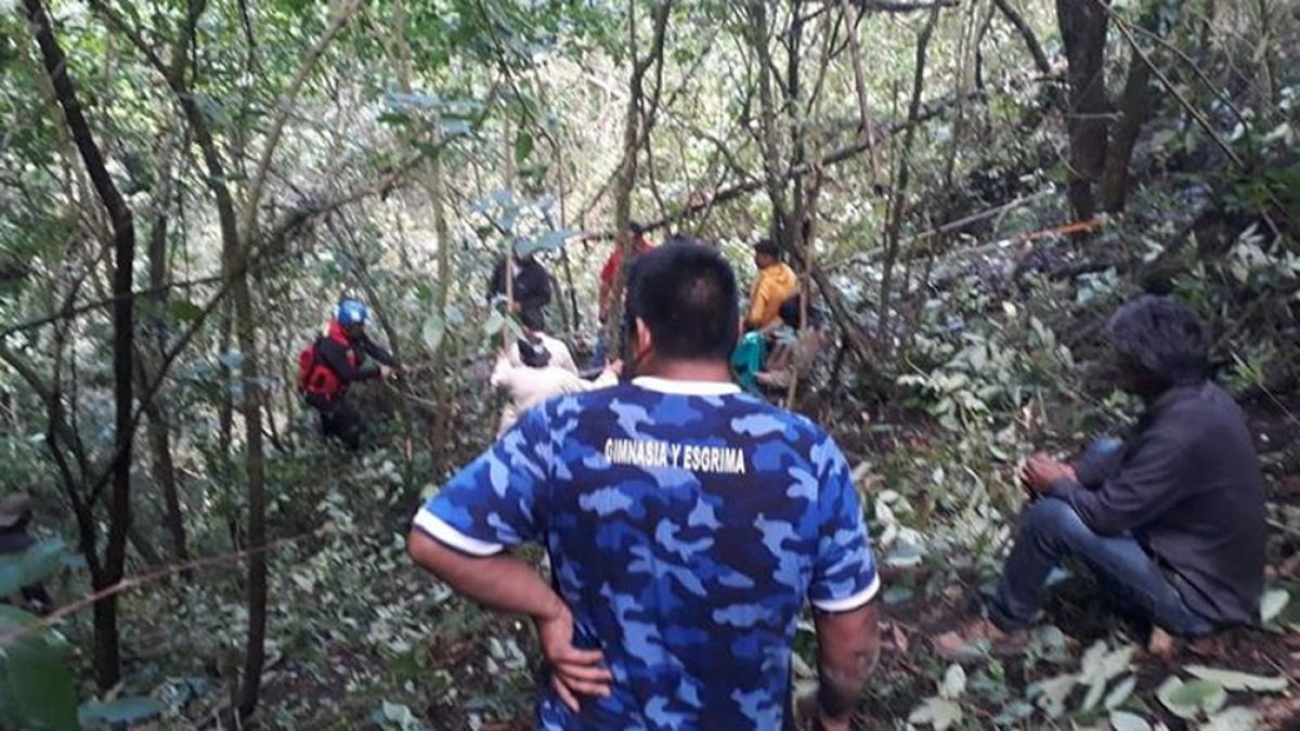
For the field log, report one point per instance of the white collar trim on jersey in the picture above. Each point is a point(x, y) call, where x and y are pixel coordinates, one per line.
point(685, 388)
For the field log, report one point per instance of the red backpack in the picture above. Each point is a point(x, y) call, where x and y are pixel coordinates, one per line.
point(314, 376)
point(306, 364)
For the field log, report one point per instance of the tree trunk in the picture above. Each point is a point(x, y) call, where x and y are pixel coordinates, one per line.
point(164, 471)
point(626, 180)
point(866, 132)
point(899, 202)
point(432, 182)
point(226, 405)
point(1135, 109)
point(246, 325)
point(158, 426)
point(1083, 26)
point(107, 650)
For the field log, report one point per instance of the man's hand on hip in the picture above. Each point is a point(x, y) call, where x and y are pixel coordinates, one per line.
point(574, 672)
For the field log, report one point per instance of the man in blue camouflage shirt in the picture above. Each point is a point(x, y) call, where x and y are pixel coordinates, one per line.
point(686, 524)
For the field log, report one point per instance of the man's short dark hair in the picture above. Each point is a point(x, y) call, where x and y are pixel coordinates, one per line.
point(790, 313)
point(636, 228)
point(769, 247)
point(1161, 337)
point(685, 293)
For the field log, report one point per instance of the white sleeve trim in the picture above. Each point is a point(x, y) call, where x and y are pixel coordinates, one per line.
point(850, 602)
point(442, 531)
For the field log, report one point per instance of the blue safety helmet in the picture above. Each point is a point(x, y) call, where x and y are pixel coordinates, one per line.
point(352, 312)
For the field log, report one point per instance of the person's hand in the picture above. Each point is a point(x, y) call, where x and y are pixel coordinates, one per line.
point(387, 372)
point(514, 308)
point(1041, 472)
point(574, 672)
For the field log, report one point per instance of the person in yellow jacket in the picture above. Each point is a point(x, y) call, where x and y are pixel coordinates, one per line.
point(775, 284)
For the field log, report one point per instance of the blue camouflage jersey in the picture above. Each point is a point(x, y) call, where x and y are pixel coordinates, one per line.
point(686, 524)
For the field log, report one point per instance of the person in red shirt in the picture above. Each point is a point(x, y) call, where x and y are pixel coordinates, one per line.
point(614, 264)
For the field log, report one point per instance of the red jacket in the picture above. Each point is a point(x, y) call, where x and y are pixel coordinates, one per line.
point(339, 363)
point(611, 269)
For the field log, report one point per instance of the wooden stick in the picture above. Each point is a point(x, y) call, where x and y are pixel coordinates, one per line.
point(143, 580)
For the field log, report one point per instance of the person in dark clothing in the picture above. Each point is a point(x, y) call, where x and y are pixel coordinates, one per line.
point(339, 362)
point(532, 285)
point(1172, 521)
point(15, 516)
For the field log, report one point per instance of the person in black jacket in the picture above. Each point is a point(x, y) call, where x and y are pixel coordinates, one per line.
point(339, 362)
point(15, 516)
point(532, 286)
point(1171, 521)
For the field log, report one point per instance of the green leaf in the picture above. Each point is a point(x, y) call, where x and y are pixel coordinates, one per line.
point(11, 575)
point(1188, 700)
point(523, 146)
point(435, 327)
point(897, 595)
point(185, 311)
point(1050, 694)
point(129, 710)
point(495, 322)
point(1272, 603)
point(550, 241)
point(954, 682)
point(1099, 667)
point(42, 560)
point(32, 566)
point(938, 712)
point(1125, 721)
point(1233, 680)
point(454, 127)
point(1120, 693)
point(34, 677)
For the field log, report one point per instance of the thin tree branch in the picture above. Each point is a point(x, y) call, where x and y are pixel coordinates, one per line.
point(341, 17)
point(1027, 33)
point(736, 190)
point(69, 311)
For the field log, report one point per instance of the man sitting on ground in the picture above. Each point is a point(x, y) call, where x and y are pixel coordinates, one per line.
point(1174, 526)
point(795, 344)
point(686, 524)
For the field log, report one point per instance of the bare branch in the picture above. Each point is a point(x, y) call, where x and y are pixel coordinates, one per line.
point(1027, 33)
point(287, 100)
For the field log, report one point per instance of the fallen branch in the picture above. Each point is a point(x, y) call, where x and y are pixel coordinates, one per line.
point(135, 582)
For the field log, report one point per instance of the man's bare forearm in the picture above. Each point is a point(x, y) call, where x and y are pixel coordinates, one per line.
point(839, 688)
point(501, 582)
point(848, 650)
